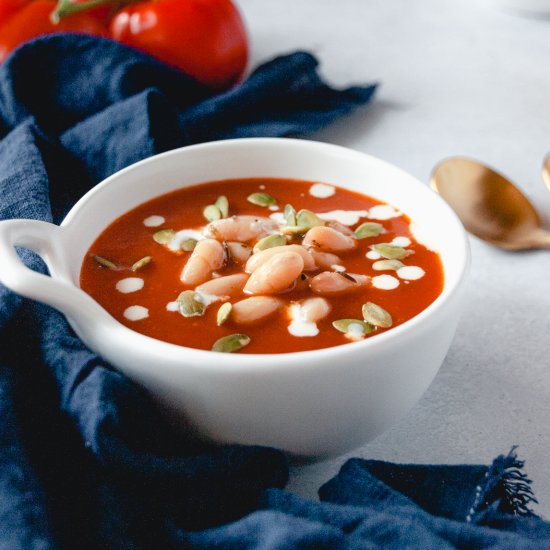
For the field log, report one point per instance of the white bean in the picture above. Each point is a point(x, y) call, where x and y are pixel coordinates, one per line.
point(315, 309)
point(340, 227)
point(330, 283)
point(260, 258)
point(241, 228)
point(327, 239)
point(254, 309)
point(239, 252)
point(275, 275)
point(207, 256)
point(325, 260)
point(226, 287)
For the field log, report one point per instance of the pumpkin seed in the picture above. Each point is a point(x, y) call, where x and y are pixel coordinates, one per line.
point(188, 244)
point(376, 315)
point(104, 263)
point(141, 263)
point(222, 204)
point(226, 254)
point(368, 229)
point(261, 199)
point(269, 242)
point(231, 343)
point(290, 215)
point(212, 213)
point(390, 251)
point(294, 230)
point(164, 236)
point(223, 313)
point(387, 265)
point(189, 306)
point(344, 325)
point(347, 276)
point(307, 218)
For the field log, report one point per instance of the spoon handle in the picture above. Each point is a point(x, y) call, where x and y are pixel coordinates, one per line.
point(541, 239)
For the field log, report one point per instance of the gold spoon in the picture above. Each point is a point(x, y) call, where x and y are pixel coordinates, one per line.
point(546, 170)
point(489, 205)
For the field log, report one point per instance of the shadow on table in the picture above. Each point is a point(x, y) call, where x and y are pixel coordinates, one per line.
point(348, 130)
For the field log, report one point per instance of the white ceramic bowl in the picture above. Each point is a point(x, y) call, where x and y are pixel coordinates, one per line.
point(314, 403)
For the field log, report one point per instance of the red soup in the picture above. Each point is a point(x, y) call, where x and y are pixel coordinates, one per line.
point(261, 266)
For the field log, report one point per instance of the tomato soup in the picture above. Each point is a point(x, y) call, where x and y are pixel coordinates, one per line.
point(262, 266)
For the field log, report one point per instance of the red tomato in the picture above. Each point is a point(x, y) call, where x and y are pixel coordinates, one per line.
point(34, 20)
point(204, 38)
point(9, 7)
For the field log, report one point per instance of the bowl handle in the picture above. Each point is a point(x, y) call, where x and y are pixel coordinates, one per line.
point(44, 239)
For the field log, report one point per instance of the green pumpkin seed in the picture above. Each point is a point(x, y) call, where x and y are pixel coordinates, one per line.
point(222, 205)
point(368, 229)
point(307, 218)
point(290, 215)
point(223, 313)
point(376, 315)
point(189, 306)
point(269, 242)
point(141, 263)
point(231, 343)
point(164, 236)
point(390, 251)
point(212, 213)
point(343, 325)
point(104, 263)
point(261, 199)
point(294, 230)
point(387, 265)
point(188, 245)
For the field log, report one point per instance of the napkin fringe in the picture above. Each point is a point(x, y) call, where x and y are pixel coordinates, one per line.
point(517, 486)
point(506, 488)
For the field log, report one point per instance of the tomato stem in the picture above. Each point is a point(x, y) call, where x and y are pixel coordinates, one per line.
point(65, 8)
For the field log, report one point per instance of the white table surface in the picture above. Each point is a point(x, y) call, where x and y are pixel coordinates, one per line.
point(458, 77)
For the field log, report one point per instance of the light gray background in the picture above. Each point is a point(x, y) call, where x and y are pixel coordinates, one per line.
point(458, 77)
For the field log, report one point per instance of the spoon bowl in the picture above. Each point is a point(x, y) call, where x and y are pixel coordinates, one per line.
point(489, 205)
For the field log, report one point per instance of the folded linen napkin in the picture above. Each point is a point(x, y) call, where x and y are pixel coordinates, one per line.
point(377, 505)
point(86, 459)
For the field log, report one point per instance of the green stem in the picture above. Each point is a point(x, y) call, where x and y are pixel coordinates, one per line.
point(65, 8)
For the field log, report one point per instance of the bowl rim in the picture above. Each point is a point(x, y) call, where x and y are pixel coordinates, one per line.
point(251, 361)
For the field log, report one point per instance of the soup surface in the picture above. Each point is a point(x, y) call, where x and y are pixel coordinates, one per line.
point(261, 266)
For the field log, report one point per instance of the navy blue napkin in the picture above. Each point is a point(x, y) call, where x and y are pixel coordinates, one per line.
point(86, 459)
point(377, 505)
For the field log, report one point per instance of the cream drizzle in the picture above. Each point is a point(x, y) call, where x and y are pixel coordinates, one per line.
point(130, 284)
point(355, 332)
point(385, 282)
point(136, 313)
point(410, 272)
point(403, 242)
point(206, 299)
point(153, 221)
point(345, 217)
point(383, 212)
point(299, 325)
point(322, 190)
point(373, 255)
point(175, 242)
